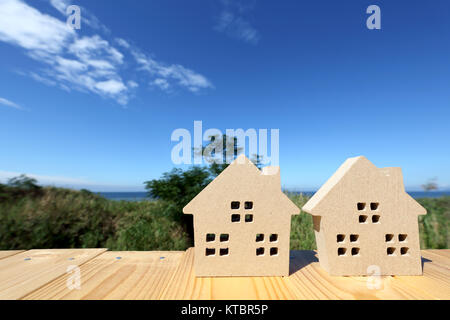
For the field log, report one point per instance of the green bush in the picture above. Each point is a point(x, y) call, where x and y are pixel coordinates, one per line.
point(62, 218)
point(434, 225)
point(43, 218)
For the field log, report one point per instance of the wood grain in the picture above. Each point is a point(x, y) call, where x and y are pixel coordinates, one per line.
point(23, 273)
point(184, 285)
point(313, 282)
point(5, 254)
point(144, 275)
point(117, 275)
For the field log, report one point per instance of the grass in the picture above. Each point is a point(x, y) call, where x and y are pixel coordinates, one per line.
point(62, 218)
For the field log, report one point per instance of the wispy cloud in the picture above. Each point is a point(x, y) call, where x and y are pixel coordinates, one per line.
point(89, 63)
point(166, 76)
point(87, 17)
point(8, 103)
point(234, 21)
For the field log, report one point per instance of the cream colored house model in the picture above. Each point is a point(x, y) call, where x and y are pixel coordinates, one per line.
point(242, 223)
point(365, 222)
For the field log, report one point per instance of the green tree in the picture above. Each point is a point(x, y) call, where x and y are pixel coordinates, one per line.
point(178, 187)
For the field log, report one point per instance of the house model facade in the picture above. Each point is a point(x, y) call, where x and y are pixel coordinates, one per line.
point(242, 223)
point(364, 221)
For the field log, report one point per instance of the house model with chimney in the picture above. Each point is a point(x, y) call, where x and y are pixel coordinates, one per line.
point(242, 223)
point(364, 221)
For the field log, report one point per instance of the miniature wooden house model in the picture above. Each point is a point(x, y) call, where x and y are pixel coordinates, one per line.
point(242, 223)
point(365, 221)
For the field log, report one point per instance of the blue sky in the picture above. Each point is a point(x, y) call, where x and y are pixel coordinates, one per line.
point(96, 107)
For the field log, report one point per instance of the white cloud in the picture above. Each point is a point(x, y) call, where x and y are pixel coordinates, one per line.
point(9, 103)
point(60, 5)
point(163, 74)
point(161, 83)
point(88, 63)
point(25, 26)
point(111, 86)
point(233, 22)
point(132, 84)
point(123, 43)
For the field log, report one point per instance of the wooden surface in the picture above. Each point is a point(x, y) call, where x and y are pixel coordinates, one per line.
point(42, 274)
point(4, 254)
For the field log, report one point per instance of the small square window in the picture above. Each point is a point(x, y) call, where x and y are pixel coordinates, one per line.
point(341, 251)
point(375, 219)
point(402, 237)
point(362, 219)
point(361, 206)
point(210, 237)
point(273, 251)
point(389, 237)
point(355, 251)
point(223, 252)
point(340, 237)
point(224, 237)
point(248, 205)
point(235, 217)
point(404, 251)
point(390, 251)
point(210, 252)
point(374, 206)
point(259, 237)
point(260, 251)
point(235, 205)
point(248, 218)
point(273, 237)
point(354, 237)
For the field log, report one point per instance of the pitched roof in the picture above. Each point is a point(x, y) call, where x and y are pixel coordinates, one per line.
point(242, 171)
point(359, 165)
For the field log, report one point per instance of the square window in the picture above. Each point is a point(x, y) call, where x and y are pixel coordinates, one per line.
point(235, 217)
point(389, 237)
point(273, 251)
point(390, 251)
point(355, 251)
point(235, 205)
point(248, 205)
point(375, 219)
point(354, 237)
point(361, 206)
point(273, 237)
point(210, 252)
point(259, 237)
point(341, 251)
point(224, 237)
point(362, 219)
point(210, 237)
point(404, 251)
point(402, 237)
point(223, 252)
point(260, 251)
point(374, 206)
point(248, 218)
point(340, 237)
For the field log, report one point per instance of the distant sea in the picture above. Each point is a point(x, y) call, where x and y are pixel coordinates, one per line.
point(140, 196)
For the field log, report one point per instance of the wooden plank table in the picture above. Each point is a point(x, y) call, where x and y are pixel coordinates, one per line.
point(44, 274)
